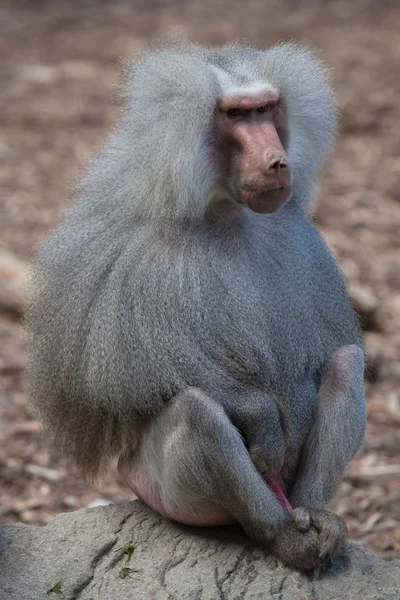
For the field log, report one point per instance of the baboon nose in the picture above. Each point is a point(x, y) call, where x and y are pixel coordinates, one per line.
point(276, 162)
point(277, 169)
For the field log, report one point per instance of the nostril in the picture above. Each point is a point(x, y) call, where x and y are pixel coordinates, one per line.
point(274, 166)
point(276, 162)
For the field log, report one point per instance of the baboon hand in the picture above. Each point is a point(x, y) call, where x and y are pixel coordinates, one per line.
point(312, 537)
point(331, 528)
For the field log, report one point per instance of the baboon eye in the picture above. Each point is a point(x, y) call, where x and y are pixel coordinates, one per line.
point(263, 109)
point(236, 112)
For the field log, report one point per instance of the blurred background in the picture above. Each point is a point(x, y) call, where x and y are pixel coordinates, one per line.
point(59, 67)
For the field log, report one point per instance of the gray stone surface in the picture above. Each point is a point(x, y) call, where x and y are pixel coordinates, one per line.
point(84, 550)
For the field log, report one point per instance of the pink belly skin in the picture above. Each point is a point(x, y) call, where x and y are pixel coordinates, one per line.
point(200, 514)
point(276, 487)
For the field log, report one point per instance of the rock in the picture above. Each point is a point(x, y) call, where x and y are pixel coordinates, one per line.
point(13, 284)
point(98, 502)
point(126, 552)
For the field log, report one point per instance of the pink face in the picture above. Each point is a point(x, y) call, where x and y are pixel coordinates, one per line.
point(251, 135)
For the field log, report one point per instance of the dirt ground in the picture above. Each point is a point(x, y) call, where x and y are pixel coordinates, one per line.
point(60, 63)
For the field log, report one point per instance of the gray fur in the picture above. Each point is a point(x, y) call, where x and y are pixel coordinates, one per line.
point(139, 295)
point(194, 455)
point(337, 432)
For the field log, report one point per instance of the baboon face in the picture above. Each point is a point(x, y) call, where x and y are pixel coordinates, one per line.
point(251, 135)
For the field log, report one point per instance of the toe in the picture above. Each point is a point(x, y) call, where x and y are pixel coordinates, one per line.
point(302, 519)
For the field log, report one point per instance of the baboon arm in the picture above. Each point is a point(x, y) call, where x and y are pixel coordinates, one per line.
point(337, 432)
